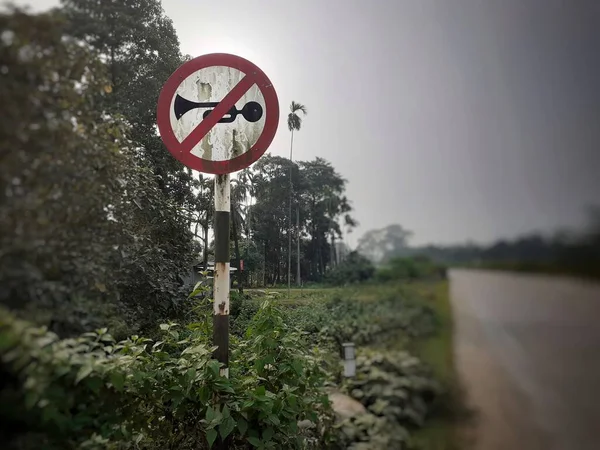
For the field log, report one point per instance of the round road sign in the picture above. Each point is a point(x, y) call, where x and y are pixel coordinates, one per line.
point(218, 113)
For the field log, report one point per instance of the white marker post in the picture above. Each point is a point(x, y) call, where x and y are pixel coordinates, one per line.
point(349, 359)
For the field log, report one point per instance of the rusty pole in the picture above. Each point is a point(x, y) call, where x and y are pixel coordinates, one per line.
point(221, 278)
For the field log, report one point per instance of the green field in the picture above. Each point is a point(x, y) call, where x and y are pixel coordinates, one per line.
point(435, 349)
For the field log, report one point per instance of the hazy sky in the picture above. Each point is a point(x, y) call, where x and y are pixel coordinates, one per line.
point(458, 119)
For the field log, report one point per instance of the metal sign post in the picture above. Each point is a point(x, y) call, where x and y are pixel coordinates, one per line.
point(218, 114)
point(221, 279)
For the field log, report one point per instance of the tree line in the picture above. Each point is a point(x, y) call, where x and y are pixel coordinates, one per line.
point(574, 252)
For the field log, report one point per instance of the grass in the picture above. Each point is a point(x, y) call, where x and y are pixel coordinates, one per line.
point(440, 432)
point(437, 350)
point(297, 296)
point(366, 292)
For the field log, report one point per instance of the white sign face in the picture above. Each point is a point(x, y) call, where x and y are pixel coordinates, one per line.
point(217, 113)
point(236, 132)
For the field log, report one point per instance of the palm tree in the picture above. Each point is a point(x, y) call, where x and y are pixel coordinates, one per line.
point(294, 123)
point(294, 120)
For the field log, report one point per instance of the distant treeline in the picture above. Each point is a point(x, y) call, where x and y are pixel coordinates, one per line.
point(564, 253)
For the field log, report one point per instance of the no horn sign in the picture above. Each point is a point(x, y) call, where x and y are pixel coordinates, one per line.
point(218, 113)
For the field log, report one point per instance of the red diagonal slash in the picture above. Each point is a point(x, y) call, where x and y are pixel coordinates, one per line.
point(217, 114)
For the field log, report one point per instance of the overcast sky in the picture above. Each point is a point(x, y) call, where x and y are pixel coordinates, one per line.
point(458, 119)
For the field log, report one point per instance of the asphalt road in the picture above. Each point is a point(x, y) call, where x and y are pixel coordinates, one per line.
point(527, 350)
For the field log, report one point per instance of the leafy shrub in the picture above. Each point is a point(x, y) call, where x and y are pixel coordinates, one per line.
point(413, 268)
point(242, 308)
point(93, 392)
point(59, 171)
point(363, 323)
point(291, 375)
point(354, 269)
point(397, 390)
point(370, 432)
point(85, 223)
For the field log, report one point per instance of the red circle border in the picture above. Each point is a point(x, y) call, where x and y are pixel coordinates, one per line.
point(271, 111)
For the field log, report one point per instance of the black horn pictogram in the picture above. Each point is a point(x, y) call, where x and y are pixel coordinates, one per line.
point(252, 111)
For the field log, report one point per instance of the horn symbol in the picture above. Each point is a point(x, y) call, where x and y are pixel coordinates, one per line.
point(252, 111)
point(183, 105)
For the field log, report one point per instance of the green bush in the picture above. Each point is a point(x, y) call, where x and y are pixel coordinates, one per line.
point(88, 232)
point(371, 432)
point(397, 391)
point(353, 320)
point(413, 268)
point(354, 269)
point(93, 392)
point(242, 308)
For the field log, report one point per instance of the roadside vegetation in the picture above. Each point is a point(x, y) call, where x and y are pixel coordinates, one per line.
point(403, 331)
point(92, 391)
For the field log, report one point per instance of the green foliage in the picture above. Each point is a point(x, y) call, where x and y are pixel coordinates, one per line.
point(410, 269)
point(289, 379)
point(397, 390)
point(318, 195)
point(141, 49)
point(436, 351)
point(242, 309)
point(60, 171)
point(370, 322)
point(393, 384)
point(88, 236)
point(354, 269)
point(93, 392)
point(372, 432)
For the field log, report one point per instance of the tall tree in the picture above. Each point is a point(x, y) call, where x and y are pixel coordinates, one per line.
point(294, 122)
point(269, 214)
point(59, 162)
point(140, 49)
point(324, 200)
point(248, 178)
point(84, 226)
point(320, 194)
